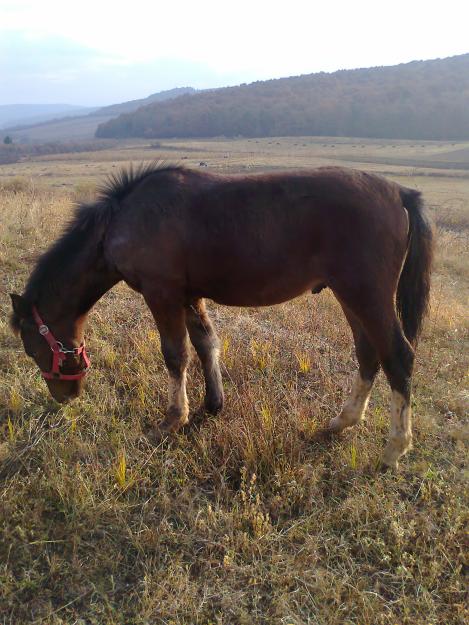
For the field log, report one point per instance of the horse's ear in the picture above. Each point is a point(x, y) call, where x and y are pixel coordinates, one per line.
point(21, 307)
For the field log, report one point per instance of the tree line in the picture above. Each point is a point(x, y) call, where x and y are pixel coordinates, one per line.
point(417, 100)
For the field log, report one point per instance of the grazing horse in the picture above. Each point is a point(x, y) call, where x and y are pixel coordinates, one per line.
point(178, 236)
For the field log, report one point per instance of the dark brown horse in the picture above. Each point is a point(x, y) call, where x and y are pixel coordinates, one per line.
point(177, 236)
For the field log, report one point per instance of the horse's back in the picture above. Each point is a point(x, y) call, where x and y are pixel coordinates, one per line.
point(257, 239)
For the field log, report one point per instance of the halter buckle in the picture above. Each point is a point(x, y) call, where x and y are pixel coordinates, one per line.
point(43, 329)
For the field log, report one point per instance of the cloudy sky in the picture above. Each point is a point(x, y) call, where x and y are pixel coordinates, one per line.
point(96, 52)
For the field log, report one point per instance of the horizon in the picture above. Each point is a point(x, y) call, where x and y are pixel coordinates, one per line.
point(47, 58)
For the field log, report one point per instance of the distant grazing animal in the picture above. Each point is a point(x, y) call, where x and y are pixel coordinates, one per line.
point(177, 236)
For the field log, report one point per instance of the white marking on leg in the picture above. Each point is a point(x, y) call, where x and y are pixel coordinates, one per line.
point(400, 436)
point(355, 406)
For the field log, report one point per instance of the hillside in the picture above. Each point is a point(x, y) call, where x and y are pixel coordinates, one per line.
point(133, 105)
point(83, 126)
point(417, 100)
point(76, 128)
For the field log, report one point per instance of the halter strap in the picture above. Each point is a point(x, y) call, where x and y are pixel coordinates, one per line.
point(59, 353)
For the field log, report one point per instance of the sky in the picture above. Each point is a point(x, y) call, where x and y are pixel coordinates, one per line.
point(98, 52)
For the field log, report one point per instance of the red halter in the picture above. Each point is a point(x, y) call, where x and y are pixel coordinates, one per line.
point(59, 353)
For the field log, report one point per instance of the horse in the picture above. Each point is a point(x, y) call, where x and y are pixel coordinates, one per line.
point(178, 236)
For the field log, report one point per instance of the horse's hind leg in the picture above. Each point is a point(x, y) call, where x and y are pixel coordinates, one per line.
point(207, 345)
point(398, 363)
point(170, 320)
point(356, 404)
point(379, 321)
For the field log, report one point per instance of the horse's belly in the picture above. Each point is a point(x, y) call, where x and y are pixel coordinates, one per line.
point(252, 293)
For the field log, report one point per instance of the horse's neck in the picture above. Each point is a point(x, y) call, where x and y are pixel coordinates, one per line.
point(83, 288)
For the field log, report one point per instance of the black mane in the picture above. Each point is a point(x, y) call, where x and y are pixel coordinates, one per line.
point(120, 184)
point(87, 227)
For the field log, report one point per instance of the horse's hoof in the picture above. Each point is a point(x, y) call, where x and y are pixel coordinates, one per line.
point(336, 425)
point(346, 419)
point(213, 406)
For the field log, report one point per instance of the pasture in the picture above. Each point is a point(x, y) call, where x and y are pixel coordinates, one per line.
point(252, 517)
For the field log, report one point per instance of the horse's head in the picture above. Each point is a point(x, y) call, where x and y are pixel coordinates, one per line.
point(63, 362)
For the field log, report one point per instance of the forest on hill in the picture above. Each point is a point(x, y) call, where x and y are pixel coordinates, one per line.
point(417, 100)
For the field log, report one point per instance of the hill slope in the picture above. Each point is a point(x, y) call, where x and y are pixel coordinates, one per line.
point(417, 100)
point(16, 114)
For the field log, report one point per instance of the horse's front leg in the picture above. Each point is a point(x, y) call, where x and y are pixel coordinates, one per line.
point(170, 319)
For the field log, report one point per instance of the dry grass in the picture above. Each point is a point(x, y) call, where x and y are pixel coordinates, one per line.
point(249, 518)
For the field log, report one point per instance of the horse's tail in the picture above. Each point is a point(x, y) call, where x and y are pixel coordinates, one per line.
point(414, 284)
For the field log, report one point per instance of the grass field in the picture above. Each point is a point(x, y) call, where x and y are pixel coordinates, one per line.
point(247, 518)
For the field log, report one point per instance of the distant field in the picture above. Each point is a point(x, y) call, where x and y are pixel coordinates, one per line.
point(74, 129)
point(400, 157)
point(248, 518)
